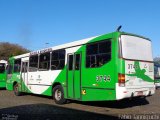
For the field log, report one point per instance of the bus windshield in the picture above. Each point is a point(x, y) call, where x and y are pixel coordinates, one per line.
point(135, 48)
point(156, 71)
point(2, 67)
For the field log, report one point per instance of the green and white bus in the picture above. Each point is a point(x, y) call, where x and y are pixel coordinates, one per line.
point(3, 73)
point(112, 66)
point(157, 75)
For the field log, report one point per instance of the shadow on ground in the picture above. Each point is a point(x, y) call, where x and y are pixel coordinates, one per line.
point(48, 112)
point(125, 103)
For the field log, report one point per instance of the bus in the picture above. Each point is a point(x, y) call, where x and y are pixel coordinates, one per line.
point(3, 73)
point(112, 66)
point(157, 75)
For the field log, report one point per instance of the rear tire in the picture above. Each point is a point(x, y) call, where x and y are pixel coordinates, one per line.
point(58, 95)
point(16, 90)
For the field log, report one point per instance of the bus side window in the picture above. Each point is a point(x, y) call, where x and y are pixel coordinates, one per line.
point(77, 61)
point(70, 66)
point(17, 65)
point(9, 69)
point(33, 63)
point(24, 67)
point(58, 60)
point(44, 61)
point(97, 54)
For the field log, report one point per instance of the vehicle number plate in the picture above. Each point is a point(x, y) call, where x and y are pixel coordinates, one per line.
point(140, 93)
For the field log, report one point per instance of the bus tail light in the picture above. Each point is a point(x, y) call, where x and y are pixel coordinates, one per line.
point(121, 80)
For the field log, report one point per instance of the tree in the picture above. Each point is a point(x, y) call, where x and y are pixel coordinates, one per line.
point(7, 50)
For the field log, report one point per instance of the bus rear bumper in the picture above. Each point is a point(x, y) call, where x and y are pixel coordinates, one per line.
point(123, 92)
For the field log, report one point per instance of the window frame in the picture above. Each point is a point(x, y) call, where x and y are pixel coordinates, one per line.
point(77, 62)
point(59, 60)
point(10, 69)
point(41, 69)
point(94, 55)
point(19, 70)
point(70, 63)
point(37, 63)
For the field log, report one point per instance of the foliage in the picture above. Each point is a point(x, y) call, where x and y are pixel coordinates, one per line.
point(7, 50)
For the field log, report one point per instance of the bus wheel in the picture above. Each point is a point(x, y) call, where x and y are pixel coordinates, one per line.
point(58, 95)
point(16, 90)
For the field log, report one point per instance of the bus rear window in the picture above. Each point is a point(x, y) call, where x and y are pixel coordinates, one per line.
point(135, 48)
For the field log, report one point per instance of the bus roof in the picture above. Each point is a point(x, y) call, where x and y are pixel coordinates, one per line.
point(3, 61)
point(67, 45)
point(72, 44)
point(125, 33)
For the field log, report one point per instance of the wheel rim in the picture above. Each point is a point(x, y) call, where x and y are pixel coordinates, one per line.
point(16, 88)
point(58, 95)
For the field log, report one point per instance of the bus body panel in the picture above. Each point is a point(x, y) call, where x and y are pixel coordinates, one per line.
point(3, 78)
point(98, 83)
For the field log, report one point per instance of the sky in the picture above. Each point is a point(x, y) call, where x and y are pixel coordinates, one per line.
point(36, 24)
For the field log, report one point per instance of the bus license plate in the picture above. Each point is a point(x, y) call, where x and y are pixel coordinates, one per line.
point(140, 93)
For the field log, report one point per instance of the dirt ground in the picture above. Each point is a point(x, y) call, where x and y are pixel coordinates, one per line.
point(36, 107)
